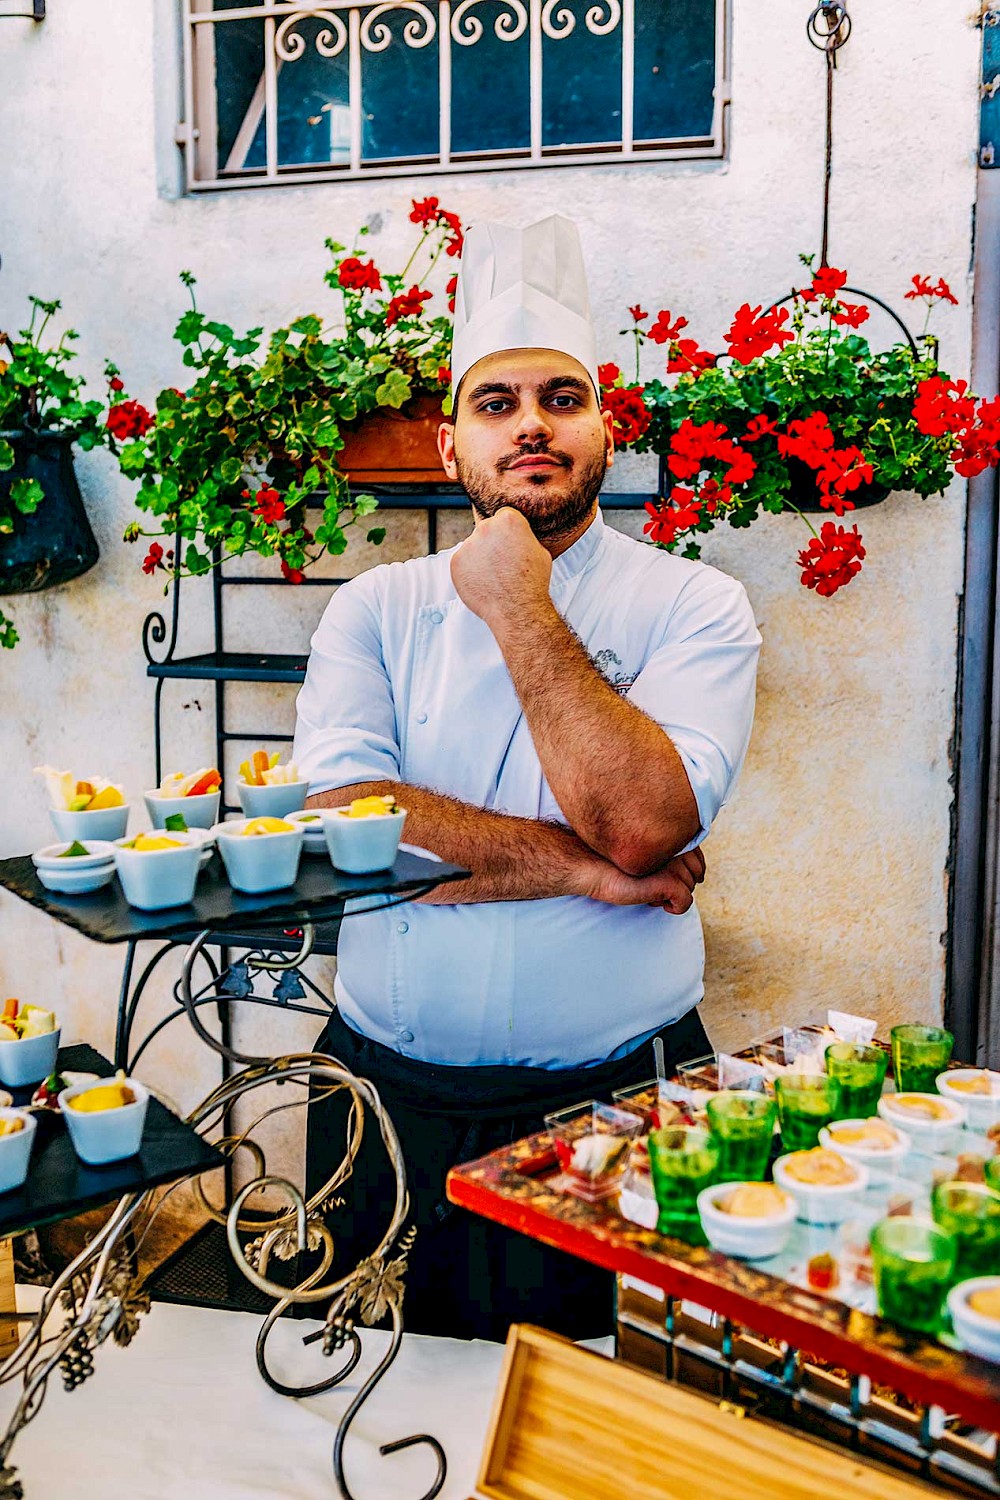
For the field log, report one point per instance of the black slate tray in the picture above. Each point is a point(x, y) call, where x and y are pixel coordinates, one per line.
point(319, 892)
point(60, 1185)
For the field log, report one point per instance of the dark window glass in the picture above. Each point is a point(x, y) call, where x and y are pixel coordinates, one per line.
point(399, 92)
point(313, 108)
point(581, 78)
point(490, 85)
point(674, 69)
point(239, 74)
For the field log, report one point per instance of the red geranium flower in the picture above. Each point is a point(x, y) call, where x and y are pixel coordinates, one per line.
point(630, 415)
point(115, 384)
point(444, 374)
point(664, 331)
point(153, 558)
point(686, 358)
point(270, 507)
point(293, 575)
point(758, 427)
point(753, 333)
point(852, 314)
point(128, 419)
point(454, 223)
point(451, 288)
point(425, 211)
point(678, 513)
point(406, 305)
point(923, 287)
point(608, 374)
point(831, 559)
point(358, 275)
point(827, 282)
point(637, 313)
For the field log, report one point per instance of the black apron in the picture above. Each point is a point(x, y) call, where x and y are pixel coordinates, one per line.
point(468, 1277)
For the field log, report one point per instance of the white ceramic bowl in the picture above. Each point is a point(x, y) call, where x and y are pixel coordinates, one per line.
point(99, 852)
point(976, 1332)
point(829, 1137)
point(262, 861)
point(29, 1060)
point(312, 827)
point(197, 812)
point(15, 1149)
point(822, 1203)
point(159, 878)
point(107, 1134)
point(105, 823)
point(360, 846)
point(926, 1134)
point(983, 1110)
point(69, 882)
point(751, 1239)
point(272, 801)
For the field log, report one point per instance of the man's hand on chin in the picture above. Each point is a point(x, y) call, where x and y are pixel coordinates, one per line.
point(502, 570)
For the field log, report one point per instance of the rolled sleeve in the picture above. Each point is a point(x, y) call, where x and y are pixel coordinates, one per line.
point(700, 686)
point(345, 727)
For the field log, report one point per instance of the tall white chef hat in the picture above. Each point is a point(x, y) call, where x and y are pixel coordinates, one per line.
point(522, 289)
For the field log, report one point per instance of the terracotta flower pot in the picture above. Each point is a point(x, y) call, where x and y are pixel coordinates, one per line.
point(395, 447)
point(54, 543)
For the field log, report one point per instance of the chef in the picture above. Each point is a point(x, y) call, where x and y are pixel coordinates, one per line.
point(563, 711)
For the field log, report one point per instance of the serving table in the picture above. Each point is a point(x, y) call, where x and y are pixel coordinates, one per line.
point(724, 1326)
point(101, 1289)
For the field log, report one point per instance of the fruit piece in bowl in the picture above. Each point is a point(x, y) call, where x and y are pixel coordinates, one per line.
point(192, 794)
point(752, 1220)
point(267, 788)
point(871, 1140)
point(84, 808)
point(364, 836)
point(105, 1117)
point(29, 1042)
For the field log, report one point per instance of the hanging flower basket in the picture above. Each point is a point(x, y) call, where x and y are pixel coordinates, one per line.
point(805, 494)
point(395, 447)
point(52, 542)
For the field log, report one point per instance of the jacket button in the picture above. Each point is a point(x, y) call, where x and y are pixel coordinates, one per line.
point(402, 926)
point(421, 718)
point(406, 1036)
point(437, 617)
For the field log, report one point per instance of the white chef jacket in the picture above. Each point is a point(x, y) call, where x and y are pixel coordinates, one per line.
point(405, 683)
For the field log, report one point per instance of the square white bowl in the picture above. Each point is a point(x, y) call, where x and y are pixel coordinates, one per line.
point(983, 1110)
point(926, 1134)
point(261, 861)
point(99, 852)
point(105, 823)
point(311, 823)
point(361, 846)
point(107, 1134)
point(272, 801)
point(197, 812)
point(15, 1149)
point(156, 879)
point(28, 1060)
point(71, 882)
point(873, 1156)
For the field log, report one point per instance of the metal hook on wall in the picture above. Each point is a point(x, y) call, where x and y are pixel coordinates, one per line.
point(828, 28)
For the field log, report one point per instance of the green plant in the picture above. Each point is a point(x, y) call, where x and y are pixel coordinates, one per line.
point(229, 464)
point(801, 398)
point(38, 393)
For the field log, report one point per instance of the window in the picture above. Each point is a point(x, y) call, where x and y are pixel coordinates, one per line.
point(284, 93)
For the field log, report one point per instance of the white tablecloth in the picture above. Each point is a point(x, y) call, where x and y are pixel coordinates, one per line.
point(182, 1414)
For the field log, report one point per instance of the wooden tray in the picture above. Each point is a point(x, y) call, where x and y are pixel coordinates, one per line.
point(571, 1425)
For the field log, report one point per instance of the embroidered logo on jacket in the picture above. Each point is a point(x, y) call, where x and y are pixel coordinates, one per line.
point(605, 662)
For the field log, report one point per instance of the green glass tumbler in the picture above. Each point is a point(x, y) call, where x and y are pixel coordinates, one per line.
point(743, 1125)
point(683, 1159)
point(919, 1054)
point(970, 1213)
point(806, 1102)
point(860, 1071)
point(914, 1263)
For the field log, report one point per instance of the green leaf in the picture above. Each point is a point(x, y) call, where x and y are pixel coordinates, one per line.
point(8, 635)
point(189, 327)
point(395, 389)
point(6, 454)
point(175, 823)
point(231, 470)
point(376, 536)
point(364, 505)
point(196, 562)
point(27, 495)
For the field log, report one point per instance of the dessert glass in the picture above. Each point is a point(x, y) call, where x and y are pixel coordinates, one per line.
point(919, 1054)
point(593, 1142)
point(970, 1213)
point(683, 1160)
point(914, 1262)
point(806, 1102)
point(743, 1126)
point(860, 1071)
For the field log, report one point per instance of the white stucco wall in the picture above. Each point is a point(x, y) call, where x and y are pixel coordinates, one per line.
point(827, 879)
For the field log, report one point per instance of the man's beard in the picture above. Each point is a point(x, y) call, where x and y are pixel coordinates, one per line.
point(567, 514)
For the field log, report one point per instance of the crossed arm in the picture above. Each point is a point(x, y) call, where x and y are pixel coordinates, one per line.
point(622, 850)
